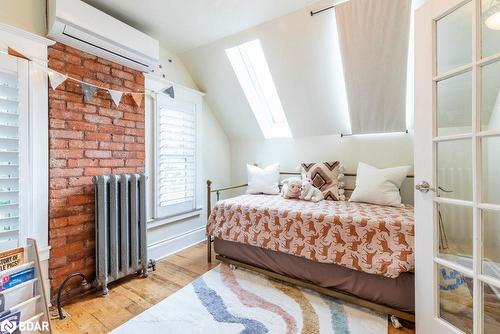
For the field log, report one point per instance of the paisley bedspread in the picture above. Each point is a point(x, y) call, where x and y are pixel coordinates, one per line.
point(370, 238)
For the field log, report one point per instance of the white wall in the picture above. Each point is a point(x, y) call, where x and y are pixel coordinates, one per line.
point(384, 150)
point(167, 236)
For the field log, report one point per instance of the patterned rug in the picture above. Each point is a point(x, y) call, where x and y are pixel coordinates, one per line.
point(239, 301)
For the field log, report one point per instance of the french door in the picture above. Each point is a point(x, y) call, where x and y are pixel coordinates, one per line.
point(457, 168)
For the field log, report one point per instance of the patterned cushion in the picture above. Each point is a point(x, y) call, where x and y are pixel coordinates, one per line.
point(327, 177)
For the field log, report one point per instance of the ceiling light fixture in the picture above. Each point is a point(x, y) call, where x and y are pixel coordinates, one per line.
point(492, 15)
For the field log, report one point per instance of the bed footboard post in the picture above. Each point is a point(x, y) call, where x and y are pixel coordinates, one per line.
point(209, 209)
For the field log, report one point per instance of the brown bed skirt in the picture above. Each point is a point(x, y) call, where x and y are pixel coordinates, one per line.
point(398, 293)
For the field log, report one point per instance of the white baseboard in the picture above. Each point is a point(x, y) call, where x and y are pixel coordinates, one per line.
point(170, 246)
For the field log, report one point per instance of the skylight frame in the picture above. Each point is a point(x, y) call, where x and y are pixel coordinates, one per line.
point(250, 66)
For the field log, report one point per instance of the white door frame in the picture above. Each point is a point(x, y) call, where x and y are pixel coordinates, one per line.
point(426, 139)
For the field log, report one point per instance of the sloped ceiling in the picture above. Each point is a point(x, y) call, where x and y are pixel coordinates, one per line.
point(182, 25)
point(303, 56)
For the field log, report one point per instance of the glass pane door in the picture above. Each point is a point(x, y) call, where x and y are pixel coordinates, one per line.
point(467, 166)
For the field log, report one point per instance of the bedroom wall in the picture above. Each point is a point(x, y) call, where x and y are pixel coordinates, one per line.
point(28, 15)
point(384, 150)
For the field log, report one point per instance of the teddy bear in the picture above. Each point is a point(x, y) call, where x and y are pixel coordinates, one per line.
point(310, 192)
point(292, 188)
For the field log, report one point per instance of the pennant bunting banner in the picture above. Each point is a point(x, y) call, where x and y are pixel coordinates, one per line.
point(116, 96)
point(170, 91)
point(56, 79)
point(14, 53)
point(137, 98)
point(88, 92)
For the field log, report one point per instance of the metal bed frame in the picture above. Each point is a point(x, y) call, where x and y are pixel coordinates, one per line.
point(408, 316)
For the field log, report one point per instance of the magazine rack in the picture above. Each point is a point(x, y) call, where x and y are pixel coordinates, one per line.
point(27, 297)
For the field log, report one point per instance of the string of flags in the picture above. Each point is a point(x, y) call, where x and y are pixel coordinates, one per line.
point(57, 78)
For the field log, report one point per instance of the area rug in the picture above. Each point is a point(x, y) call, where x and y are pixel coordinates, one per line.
point(224, 300)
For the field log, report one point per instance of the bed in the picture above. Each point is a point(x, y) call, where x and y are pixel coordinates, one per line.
point(359, 252)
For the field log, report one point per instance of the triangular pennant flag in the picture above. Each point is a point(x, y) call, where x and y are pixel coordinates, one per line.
point(88, 92)
point(116, 96)
point(170, 91)
point(56, 79)
point(14, 53)
point(137, 98)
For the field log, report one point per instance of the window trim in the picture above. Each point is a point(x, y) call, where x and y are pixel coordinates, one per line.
point(184, 96)
point(257, 83)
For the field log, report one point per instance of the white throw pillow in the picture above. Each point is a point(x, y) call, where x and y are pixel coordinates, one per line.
point(263, 181)
point(379, 186)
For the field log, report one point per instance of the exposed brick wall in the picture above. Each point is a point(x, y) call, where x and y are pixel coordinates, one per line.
point(87, 139)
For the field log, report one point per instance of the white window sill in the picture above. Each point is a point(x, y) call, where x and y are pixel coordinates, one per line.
point(157, 222)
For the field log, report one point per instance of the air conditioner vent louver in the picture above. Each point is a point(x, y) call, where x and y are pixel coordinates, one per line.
point(79, 25)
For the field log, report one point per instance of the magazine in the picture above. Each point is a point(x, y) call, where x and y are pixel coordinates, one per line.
point(9, 281)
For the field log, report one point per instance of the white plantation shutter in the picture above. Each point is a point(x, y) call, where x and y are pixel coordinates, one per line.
point(176, 148)
point(13, 115)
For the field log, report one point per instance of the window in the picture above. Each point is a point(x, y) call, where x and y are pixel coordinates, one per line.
point(175, 156)
point(250, 65)
point(13, 147)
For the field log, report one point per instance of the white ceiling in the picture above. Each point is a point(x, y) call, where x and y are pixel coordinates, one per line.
point(304, 60)
point(181, 25)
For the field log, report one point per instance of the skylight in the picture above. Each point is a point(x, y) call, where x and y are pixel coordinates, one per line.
point(252, 71)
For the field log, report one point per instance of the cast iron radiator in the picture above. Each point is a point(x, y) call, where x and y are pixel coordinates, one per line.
point(120, 215)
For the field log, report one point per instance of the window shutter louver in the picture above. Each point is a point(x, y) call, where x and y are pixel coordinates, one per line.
point(175, 157)
point(9, 156)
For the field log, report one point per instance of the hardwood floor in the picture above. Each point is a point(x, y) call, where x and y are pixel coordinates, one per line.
point(96, 314)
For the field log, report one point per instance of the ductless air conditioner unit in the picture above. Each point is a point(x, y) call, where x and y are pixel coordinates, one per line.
point(79, 25)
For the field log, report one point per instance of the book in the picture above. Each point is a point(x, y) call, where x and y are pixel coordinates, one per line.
point(11, 258)
point(9, 281)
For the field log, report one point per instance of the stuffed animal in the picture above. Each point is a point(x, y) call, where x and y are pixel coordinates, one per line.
point(291, 188)
point(310, 192)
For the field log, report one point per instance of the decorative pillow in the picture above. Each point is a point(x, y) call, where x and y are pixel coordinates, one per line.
point(263, 181)
point(379, 186)
point(327, 177)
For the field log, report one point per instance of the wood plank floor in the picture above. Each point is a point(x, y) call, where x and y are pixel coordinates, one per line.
point(96, 314)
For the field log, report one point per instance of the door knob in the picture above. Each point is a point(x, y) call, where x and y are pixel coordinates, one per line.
point(424, 187)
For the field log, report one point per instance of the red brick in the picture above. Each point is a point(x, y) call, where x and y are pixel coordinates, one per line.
point(125, 123)
point(112, 129)
point(65, 115)
point(95, 66)
point(65, 96)
point(111, 163)
point(134, 132)
point(58, 183)
point(109, 79)
point(96, 171)
point(58, 143)
point(122, 74)
point(67, 134)
point(111, 146)
point(133, 117)
point(101, 136)
point(124, 154)
point(134, 147)
point(134, 163)
point(81, 107)
point(97, 119)
point(83, 144)
point(65, 172)
point(57, 104)
point(57, 163)
point(83, 163)
point(80, 199)
point(80, 125)
point(80, 181)
point(99, 154)
point(110, 113)
point(56, 64)
point(66, 153)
